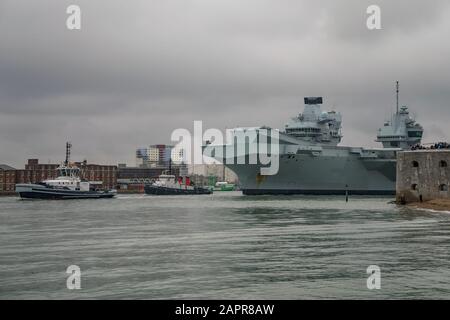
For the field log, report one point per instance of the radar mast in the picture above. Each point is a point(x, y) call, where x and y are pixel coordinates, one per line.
point(398, 87)
point(68, 147)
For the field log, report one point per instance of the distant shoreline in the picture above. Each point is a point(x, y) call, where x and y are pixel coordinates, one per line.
point(436, 204)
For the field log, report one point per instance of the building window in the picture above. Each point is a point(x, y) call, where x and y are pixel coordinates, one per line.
point(443, 164)
point(395, 144)
point(414, 186)
point(443, 187)
point(415, 164)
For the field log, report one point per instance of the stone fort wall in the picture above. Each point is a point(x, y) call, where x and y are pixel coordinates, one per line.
point(423, 175)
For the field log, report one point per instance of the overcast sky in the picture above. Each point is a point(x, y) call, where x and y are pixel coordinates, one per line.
point(137, 70)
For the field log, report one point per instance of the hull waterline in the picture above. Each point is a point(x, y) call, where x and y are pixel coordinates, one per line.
point(31, 191)
point(161, 190)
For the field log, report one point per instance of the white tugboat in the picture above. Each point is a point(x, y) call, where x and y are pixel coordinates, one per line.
point(67, 185)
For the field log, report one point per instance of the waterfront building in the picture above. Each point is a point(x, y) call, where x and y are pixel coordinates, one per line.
point(7, 179)
point(209, 174)
point(143, 173)
point(178, 155)
point(141, 157)
point(157, 155)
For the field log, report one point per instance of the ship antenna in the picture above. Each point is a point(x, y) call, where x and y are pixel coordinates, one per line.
point(398, 87)
point(68, 146)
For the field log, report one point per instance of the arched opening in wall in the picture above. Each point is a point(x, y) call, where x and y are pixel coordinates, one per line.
point(443, 187)
point(415, 164)
point(414, 186)
point(443, 164)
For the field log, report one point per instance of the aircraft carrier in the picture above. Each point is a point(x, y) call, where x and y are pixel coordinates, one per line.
point(310, 160)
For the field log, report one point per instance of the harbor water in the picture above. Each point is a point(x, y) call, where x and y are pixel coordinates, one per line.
point(222, 246)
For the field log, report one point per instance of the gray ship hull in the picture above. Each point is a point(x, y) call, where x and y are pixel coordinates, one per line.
point(323, 171)
point(322, 175)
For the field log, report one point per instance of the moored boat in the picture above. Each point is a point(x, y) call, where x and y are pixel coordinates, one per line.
point(167, 184)
point(224, 186)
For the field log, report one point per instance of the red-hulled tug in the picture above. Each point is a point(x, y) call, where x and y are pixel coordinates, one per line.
point(168, 184)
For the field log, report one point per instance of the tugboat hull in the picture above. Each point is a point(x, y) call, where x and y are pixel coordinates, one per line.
point(161, 190)
point(35, 191)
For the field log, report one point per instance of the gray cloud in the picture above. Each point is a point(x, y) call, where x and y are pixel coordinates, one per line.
point(139, 69)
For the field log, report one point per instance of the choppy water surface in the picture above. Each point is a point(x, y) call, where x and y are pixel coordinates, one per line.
point(222, 246)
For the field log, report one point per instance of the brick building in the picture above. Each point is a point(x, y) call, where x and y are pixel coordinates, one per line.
point(35, 172)
point(96, 172)
point(144, 173)
point(7, 179)
point(133, 179)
